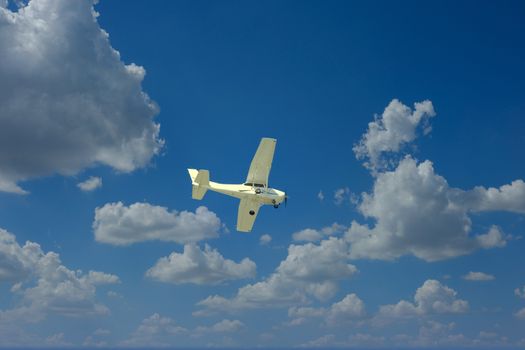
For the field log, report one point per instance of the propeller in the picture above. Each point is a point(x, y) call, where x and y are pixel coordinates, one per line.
point(285, 199)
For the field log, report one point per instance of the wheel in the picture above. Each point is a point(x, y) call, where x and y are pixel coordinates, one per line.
point(258, 191)
point(276, 206)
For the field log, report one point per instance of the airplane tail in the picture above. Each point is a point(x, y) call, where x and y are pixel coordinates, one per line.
point(200, 181)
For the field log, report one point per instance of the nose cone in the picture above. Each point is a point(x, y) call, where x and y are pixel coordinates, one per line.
point(282, 195)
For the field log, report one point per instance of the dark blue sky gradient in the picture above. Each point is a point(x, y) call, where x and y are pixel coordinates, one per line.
point(311, 74)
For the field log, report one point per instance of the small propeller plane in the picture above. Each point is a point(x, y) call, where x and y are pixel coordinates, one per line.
point(253, 193)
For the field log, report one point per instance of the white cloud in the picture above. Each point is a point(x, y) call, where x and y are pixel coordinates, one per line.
point(392, 130)
point(227, 326)
point(308, 270)
point(493, 238)
point(57, 340)
point(432, 333)
point(265, 239)
point(417, 212)
point(340, 195)
point(414, 210)
point(520, 292)
point(320, 195)
point(155, 331)
point(478, 276)
point(224, 326)
point(505, 198)
point(90, 184)
point(16, 262)
point(118, 224)
point(312, 235)
point(431, 298)
point(520, 314)
point(200, 267)
point(67, 101)
point(350, 308)
point(45, 286)
point(308, 235)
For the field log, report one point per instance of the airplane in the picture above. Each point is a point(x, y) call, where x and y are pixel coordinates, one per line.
point(253, 193)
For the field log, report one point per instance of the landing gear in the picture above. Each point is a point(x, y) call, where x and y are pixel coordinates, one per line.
point(276, 206)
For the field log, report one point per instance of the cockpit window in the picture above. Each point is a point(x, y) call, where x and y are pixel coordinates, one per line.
point(253, 185)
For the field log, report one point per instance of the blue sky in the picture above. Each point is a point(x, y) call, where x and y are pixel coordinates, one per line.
point(412, 112)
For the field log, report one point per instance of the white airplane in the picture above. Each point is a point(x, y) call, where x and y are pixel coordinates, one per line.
point(253, 193)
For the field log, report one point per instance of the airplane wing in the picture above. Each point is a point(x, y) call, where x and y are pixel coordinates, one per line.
point(246, 215)
point(262, 162)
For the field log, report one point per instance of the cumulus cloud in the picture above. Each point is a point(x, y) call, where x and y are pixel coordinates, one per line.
point(44, 285)
point(393, 129)
point(350, 308)
point(155, 331)
point(509, 197)
point(198, 266)
point(265, 239)
point(313, 235)
point(90, 184)
point(416, 212)
point(308, 270)
point(431, 298)
point(67, 101)
point(118, 224)
point(478, 276)
point(224, 326)
point(308, 235)
point(413, 209)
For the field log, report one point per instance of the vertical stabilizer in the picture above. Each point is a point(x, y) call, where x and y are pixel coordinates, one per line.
point(200, 181)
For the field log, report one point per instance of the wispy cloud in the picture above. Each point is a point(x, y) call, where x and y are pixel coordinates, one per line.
point(265, 239)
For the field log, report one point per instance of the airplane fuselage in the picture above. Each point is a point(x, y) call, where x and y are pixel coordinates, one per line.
point(252, 194)
point(263, 195)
